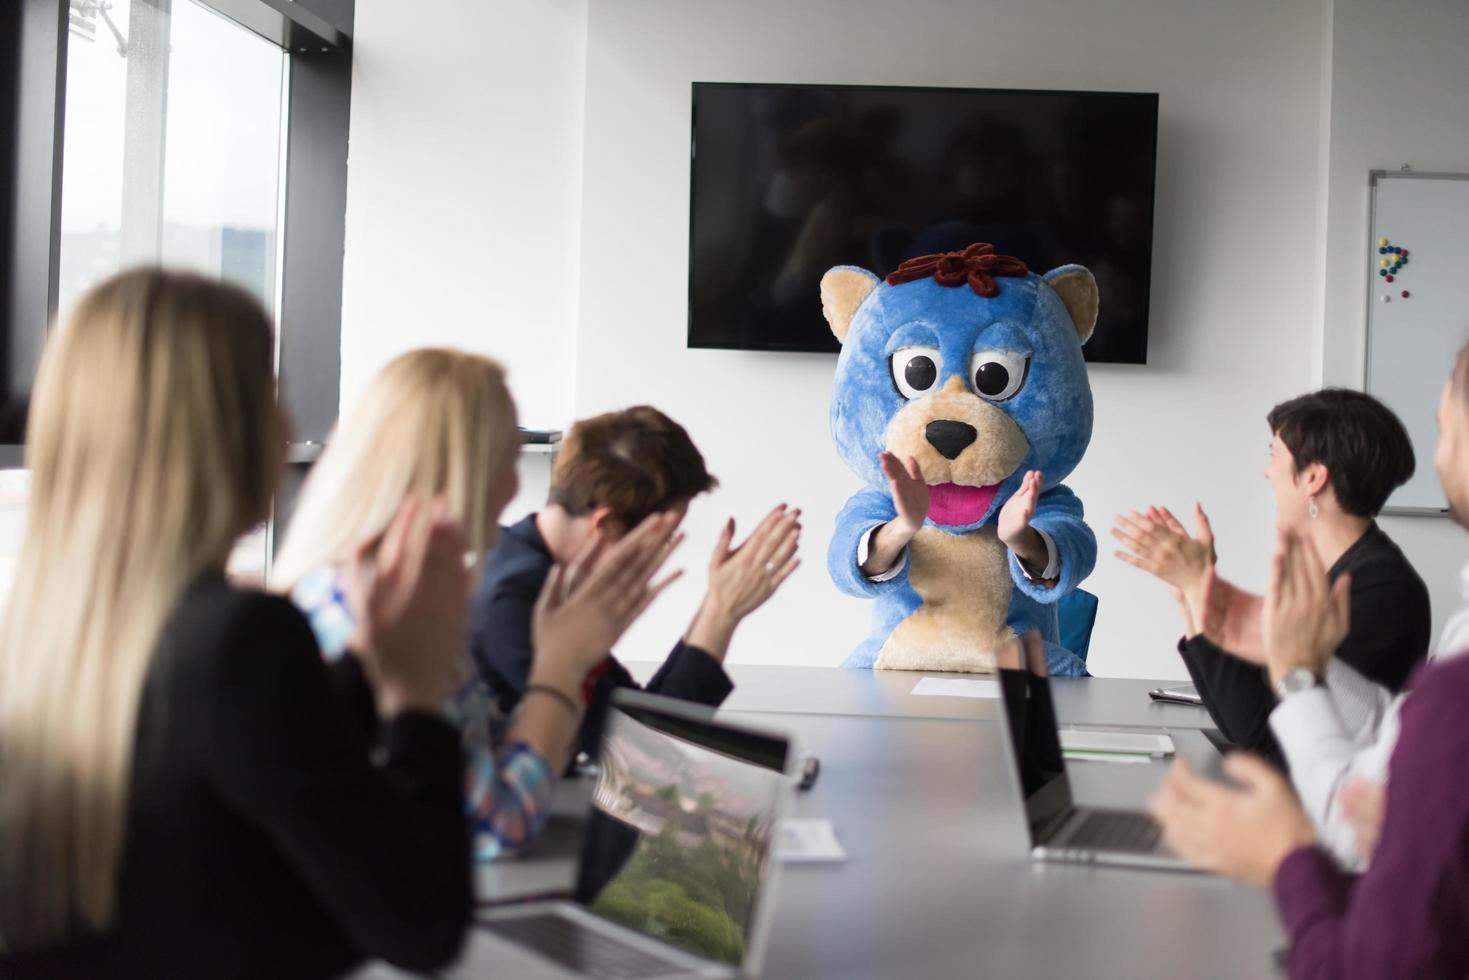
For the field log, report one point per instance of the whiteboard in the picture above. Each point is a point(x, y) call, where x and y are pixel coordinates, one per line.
point(1411, 342)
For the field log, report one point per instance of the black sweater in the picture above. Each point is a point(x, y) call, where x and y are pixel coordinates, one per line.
point(500, 637)
point(261, 840)
point(1389, 635)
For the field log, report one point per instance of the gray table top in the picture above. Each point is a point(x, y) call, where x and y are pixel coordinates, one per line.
point(889, 694)
point(939, 881)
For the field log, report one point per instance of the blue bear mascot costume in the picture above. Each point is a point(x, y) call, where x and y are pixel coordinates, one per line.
point(966, 367)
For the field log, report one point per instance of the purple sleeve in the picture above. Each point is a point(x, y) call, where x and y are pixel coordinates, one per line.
point(1405, 916)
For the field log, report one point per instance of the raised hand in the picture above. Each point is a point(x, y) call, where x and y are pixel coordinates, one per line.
point(410, 591)
point(1014, 519)
point(1013, 524)
point(742, 578)
point(584, 608)
point(1203, 530)
point(910, 499)
point(909, 490)
point(1305, 619)
point(1156, 542)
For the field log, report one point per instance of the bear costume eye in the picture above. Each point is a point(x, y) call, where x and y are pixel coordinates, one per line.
point(916, 370)
point(997, 375)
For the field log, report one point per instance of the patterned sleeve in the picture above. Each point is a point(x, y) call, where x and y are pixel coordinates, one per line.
point(508, 799)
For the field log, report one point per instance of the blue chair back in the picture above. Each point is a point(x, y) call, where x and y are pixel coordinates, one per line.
point(1076, 614)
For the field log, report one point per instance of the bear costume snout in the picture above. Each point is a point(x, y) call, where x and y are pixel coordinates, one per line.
point(958, 438)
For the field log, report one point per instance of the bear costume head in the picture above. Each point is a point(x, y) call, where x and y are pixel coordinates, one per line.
point(968, 363)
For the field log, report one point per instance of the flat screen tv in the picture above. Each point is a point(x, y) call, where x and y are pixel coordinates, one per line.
point(790, 180)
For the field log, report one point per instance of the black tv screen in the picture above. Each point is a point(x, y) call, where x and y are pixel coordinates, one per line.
point(790, 180)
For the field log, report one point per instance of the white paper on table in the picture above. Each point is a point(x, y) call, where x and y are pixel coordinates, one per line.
point(808, 839)
point(1156, 744)
point(1077, 756)
point(953, 687)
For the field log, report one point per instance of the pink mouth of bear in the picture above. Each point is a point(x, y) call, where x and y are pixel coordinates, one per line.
point(955, 505)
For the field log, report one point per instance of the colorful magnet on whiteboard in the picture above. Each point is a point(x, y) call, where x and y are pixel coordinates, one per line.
point(1383, 263)
point(1382, 272)
point(1389, 278)
point(1405, 294)
point(1382, 241)
point(1386, 298)
point(1382, 251)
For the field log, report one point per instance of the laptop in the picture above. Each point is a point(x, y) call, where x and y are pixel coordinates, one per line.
point(677, 872)
point(1059, 829)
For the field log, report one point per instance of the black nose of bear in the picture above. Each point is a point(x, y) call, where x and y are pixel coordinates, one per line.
point(950, 438)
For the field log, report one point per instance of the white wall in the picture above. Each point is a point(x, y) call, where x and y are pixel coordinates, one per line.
point(463, 189)
point(1399, 81)
point(1232, 306)
point(513, 182)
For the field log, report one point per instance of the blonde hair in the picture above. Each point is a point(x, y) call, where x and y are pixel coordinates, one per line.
point(433, 422)
point(153, 444)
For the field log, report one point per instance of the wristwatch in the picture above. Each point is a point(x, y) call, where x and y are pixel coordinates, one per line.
point(1299, 680)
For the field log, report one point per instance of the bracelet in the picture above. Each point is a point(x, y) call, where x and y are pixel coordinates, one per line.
point(554, 692)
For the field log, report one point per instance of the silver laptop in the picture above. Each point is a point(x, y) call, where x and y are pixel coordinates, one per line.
point(1059, 829)
point(678, 872)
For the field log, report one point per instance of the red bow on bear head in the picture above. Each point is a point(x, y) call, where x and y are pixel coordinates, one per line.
point(977, 265)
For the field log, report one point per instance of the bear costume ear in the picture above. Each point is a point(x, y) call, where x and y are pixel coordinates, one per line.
point(1077, 288)
point(842, 290)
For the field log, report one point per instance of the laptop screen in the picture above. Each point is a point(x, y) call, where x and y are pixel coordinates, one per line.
point(683, 825)
point(1036, 741)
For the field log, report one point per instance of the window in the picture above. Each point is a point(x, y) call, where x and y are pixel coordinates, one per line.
point(173, 146)
point(167, 131)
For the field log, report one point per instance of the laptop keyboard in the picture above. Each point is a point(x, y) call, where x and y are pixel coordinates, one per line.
point(579, 948)
point(1116, 830)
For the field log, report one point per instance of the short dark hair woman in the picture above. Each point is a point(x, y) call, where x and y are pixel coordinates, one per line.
point(1335, 458)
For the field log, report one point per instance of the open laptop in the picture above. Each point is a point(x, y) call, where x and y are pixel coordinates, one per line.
point(1059, 829)
point(678, 871)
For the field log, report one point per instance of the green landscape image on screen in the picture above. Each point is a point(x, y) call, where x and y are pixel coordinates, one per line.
point(703, 828)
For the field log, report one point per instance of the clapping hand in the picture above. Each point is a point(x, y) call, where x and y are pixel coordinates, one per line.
point(1242, 831)
point(1157, 543)
point(910, 500)
point(742, 578)
point(587, 605)
point(909, 492)
point(1015, 516)
point(410, 591)
point(1305, 619)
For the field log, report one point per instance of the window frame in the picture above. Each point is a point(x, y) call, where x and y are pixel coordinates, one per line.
point(317, 38)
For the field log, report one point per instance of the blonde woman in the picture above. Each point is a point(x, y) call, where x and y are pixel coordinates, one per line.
point(182, 791)
point(440, 422)
point(170, 760)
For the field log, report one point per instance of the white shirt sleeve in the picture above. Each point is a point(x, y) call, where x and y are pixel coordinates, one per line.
point(864, 544)
point(1053, 563)
point(1326, 733)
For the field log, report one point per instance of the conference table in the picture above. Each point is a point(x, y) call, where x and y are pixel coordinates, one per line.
point(939, 881)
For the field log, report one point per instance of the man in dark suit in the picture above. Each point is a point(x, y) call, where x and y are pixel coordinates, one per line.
point(613, 471)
